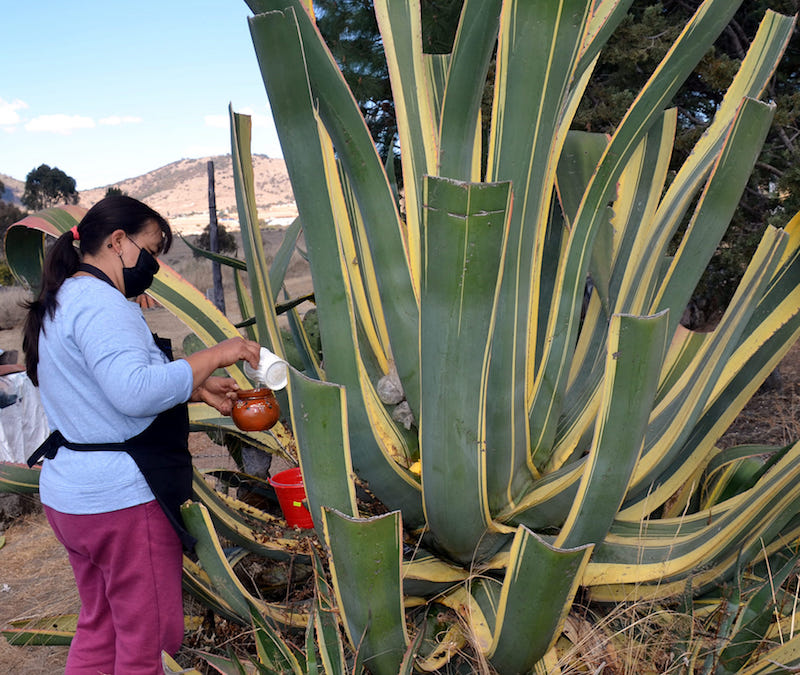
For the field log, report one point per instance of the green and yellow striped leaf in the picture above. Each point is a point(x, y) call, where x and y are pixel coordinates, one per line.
point(529, 616)
point(401, 32)
point(56, 631)
point(465, 234)
point(365, 557)
point(18, 478)
point(224, 579)
point(527, 155)
point(275, 38)
point(261, 293)
point(25, 241)
point(319, 421)
point(353, 144)
point(550, 379)
point(636, 348)
point(461, 105)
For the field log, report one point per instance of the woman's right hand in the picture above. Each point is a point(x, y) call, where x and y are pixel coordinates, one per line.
point(237, 349)
point(221, 355)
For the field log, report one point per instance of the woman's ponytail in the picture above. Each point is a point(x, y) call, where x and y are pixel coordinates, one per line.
point(61, 262)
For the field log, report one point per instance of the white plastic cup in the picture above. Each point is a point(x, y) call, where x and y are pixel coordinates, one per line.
point(272, 370)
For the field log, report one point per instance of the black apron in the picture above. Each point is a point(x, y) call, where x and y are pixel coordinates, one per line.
point(161, 451)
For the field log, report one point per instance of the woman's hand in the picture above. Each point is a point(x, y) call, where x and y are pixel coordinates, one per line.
point(237, 349)
point(221, 355)
point(218, 392)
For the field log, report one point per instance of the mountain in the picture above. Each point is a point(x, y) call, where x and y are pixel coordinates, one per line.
point(13, 190)
point(179, 191)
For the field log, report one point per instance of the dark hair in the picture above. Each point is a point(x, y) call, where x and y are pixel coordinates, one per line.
point(115, 212)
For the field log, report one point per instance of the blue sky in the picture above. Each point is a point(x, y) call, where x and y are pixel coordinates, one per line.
point(110, 90)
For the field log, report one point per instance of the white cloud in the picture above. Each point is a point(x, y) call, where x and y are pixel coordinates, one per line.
point(8, 111)
point(116, 120)
point(217, 121)
point(60, 123)
point(262, 122)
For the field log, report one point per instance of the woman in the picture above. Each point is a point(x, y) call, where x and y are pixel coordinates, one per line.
point(117, 466)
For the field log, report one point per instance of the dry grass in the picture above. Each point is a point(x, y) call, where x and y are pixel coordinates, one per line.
point(638, 638)
point(36, 580)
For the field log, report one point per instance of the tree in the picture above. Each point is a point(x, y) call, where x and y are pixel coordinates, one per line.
point(351, 31)
point(350, 28)
point(773, 191)
point(226, 242)
point(114, 190)
point(631, 55)
point(9, 214)
point(46, 187)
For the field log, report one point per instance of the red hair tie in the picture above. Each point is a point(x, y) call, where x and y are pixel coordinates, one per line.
point(75, 235)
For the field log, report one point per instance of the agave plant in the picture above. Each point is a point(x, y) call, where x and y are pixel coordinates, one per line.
point(531, 443)
point(551, 447)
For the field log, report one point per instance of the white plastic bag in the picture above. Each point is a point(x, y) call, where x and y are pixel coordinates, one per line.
point(23, 423)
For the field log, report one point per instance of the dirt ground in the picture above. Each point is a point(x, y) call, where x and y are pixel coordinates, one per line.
point(772, 416)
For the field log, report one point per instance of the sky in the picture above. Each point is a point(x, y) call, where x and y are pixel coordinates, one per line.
point(109, 90)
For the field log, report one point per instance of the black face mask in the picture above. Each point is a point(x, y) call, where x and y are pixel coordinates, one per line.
point(137, 279)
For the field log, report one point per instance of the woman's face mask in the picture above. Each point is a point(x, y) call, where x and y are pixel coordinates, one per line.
point(137, 279)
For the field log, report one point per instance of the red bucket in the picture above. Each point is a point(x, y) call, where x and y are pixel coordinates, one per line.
point(288, 486)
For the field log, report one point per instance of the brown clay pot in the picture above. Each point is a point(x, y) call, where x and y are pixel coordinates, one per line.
point(255, 410)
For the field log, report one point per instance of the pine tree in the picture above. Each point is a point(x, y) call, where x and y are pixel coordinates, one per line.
point(629, 58)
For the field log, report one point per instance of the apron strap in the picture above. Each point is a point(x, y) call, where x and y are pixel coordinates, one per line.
point(160, 453)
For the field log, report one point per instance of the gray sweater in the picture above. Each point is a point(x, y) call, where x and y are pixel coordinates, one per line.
point(102, 380)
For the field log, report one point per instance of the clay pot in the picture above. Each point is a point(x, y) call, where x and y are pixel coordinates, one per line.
point(255, 410)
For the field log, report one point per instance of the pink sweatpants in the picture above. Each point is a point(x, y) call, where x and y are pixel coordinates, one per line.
point(128, 567)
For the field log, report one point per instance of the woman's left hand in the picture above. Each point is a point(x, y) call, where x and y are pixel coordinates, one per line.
point(218, 392)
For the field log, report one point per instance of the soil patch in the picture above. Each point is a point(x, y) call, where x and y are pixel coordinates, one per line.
point(772, 416)
point(35, 580)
